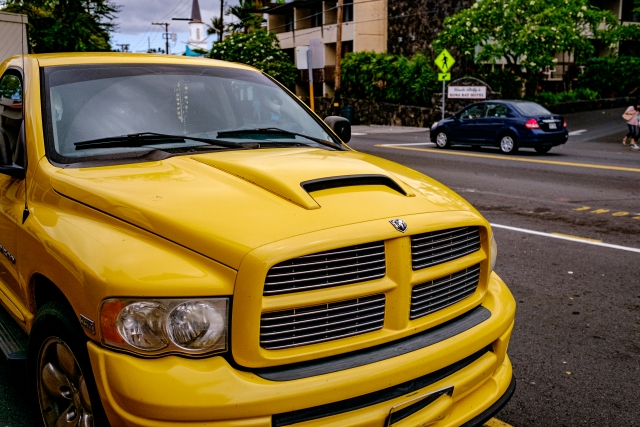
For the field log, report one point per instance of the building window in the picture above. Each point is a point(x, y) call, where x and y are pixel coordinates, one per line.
point(316, 16)
point(288, 22)
point(628, 15)
point(197, 33)
point(347, 13)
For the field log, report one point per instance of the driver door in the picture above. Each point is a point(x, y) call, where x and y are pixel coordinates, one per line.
point(467, 124)
point(11, 189)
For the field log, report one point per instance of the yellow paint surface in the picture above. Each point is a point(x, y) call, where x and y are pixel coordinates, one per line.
point(600, 211)
point(514, 159)
point(584, 208)
point(494, 422)
point(586, 239)
point(620, 214)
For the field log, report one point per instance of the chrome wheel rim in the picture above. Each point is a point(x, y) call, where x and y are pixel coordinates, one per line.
point(62, 390)
point(506, 144)
point(441, 139)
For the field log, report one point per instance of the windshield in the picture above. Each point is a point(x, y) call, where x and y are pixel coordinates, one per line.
point(532, 109)
point(91, 103)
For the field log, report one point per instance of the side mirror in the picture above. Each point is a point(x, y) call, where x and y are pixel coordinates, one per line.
point(7, 165)
point(341, 126)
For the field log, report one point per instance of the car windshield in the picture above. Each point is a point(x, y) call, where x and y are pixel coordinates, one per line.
point(532, 109)
point(98, 112)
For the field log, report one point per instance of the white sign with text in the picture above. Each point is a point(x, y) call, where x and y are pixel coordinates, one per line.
point(467, 92)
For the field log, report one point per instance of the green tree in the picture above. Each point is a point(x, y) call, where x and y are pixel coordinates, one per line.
point(259, 49)
point(248, 17)
point(67, 25)
point(527, 33)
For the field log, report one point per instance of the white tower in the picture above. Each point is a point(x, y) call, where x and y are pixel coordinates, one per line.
point(197, 29)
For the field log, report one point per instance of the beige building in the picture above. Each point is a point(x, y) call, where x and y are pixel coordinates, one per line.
point(364, 28)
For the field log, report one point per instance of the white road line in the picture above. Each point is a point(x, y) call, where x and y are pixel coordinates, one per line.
point(571, 239)
point(577, 132)
point(358, 133)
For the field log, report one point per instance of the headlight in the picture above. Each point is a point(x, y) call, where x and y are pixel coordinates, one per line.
point(493, 253)
point(434, 125)
point(159, 326)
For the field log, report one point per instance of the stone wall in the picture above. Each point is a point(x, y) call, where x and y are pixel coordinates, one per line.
point(380, 113)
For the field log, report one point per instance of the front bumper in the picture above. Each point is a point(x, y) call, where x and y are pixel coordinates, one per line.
point(174, 391)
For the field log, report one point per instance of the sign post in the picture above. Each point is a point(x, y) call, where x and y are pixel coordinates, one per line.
point(310, 65)
point(444, 61)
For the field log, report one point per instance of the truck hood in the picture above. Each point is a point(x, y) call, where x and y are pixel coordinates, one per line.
point(225, 204)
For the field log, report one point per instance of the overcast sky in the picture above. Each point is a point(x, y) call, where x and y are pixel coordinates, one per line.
point(135, 18)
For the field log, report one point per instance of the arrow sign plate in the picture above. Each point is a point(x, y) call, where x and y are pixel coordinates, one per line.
point(444, 77)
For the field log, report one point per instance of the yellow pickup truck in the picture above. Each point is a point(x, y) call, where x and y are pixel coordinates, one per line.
point(186, 244)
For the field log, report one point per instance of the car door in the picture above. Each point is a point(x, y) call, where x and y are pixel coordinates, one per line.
point(494, 120)
point(466, 124)
point(11, 189)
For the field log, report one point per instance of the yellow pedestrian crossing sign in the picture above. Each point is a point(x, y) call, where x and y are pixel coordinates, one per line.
point(444, 77)
point(445, 61)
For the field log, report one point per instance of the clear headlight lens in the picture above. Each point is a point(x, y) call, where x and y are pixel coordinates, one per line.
point(158, 326)
point(493, 253)
point(195, 325)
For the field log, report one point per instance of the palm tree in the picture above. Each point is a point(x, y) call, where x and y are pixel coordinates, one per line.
point(248, 17)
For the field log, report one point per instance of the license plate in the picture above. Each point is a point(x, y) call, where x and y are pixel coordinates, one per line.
point(553, 126)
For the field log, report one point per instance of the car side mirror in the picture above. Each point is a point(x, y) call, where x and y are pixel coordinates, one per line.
point(7, 165)
point(341, 126)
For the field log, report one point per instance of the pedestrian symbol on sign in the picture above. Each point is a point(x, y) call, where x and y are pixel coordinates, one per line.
point(445, 61)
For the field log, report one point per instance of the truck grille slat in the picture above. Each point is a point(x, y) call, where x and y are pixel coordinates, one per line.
point(430, 249)
point(353, 264)
point(333, 321)
point(300, 319)
point(443, 292)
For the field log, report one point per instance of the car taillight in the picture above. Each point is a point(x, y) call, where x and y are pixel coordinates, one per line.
point(564, 125)
point(532, 124)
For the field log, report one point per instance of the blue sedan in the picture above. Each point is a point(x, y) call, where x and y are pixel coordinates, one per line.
point(509, 125)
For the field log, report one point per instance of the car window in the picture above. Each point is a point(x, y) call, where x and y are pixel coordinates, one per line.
point(532, 109)
point(11, 107)
point(95, 102)
point(496, 110)
point(473, 112)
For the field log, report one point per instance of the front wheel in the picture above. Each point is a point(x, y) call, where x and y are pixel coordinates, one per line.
point(61, 381)
point(542, 150)
point(508, 144)
point(442, 140)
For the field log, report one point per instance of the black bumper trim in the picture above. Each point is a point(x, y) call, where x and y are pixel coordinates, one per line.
point(375, 397)
point(493, 409)
point(376, 354)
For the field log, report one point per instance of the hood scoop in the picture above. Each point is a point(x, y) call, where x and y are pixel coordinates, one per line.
point(295, 173)
point(351, 181)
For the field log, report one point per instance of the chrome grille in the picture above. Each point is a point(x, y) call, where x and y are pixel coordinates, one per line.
point(440, 293)
point(441, 246)
point(337, 267)
point(309, 325)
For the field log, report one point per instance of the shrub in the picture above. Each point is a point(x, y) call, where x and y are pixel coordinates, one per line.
point(389, 78)
point(611, 76)
point(504, 81)
point(259, 49)
point(580, 94)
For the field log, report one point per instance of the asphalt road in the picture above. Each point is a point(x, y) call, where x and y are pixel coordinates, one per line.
point(576, 344)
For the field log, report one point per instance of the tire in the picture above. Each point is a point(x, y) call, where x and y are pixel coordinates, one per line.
point(61, 384)
point(442, 139)
point(508, 144)
point(542, 150)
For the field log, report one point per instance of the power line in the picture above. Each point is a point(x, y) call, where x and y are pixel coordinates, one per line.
point(144, 35)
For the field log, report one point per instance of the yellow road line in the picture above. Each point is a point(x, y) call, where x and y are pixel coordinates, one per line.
point(586, 239)
point(494, 422)
point(513, 159)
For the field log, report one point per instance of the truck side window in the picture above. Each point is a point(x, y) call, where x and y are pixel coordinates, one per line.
point(11, 107)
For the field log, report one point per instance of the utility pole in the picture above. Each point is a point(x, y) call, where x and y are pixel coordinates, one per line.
point(124, 47)
point(338, 54)
point(221, 19)
point(166, 34)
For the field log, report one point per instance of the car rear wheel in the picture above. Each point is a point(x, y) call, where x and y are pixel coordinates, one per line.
point(442, 139)
point(61, 380)
point(542, 150)
point(508, 144)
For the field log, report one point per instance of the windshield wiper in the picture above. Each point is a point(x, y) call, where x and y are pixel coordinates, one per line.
point(275, 131)
point(151, 138)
